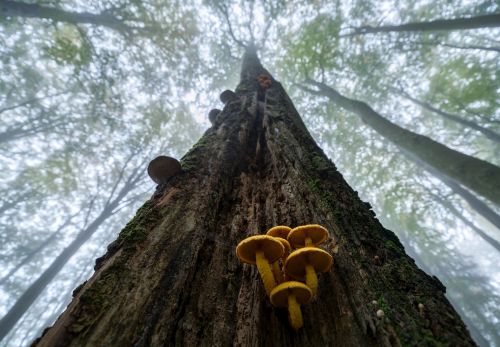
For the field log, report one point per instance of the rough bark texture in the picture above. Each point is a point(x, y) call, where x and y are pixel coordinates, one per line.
point(173, 278)
point(478, 175)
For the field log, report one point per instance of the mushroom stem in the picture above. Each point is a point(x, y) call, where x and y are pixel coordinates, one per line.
point(311, 278)
point(277, 272)
point(294, 313)
point(308, 242)
point(265, 271)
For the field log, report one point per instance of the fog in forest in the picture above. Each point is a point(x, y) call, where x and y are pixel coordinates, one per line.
point(91, 91)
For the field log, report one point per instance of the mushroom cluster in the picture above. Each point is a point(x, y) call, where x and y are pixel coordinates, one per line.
point(288, 261)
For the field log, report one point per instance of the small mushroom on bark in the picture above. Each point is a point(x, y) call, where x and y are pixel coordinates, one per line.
point(212, 115)
point(261, 250)
point(227, 96)
point(264, 81)
point(292, 294)
point(305, 263)
point(161, 168)
point(307, 235)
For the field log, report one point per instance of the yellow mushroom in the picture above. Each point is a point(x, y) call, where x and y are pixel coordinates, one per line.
point(307, 235)
point(305, 263)
point(292, 294)
point(278, 274)
point(261, 250)
point(280, 232)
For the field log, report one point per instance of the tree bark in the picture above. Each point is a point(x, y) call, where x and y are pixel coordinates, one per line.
point(172, 277)
point(476, 174)
point(490, 134)
point(20, 9)
point(485, 21)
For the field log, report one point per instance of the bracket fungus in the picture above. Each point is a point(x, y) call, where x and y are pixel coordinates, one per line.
point(292, 294)
point(261, 250)
point(305, 263)
point(161, 168)
point(307, 235)
point(212, 115)
point(227, 96)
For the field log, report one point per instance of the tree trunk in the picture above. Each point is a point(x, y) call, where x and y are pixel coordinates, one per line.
point(172, 277)
point(20, 9)
point(451, 45)
point(485, 21)
point(476, 174)
point(490, 134)
point(449, 206)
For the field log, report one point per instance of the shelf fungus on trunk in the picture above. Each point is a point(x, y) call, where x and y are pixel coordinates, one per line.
point(305, 263)
point(292, 294)
point(280, 233)
point(307, 235)
point(162, 168)
point(261, 250)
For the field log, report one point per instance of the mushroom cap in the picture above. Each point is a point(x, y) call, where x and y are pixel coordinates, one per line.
point(212, 115)
point(285, 244)
point(316, 232)
point(246, 249)
point(162, 168)
point(295, 265)
point(227, 95)
point(280, 293)
point(279, 231)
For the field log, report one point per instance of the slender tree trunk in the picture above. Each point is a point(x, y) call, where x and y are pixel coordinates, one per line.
point(451, 45)
point(449, 206)
point(475, 203)
point(480, 207)
point(476, 174)
point(490, 134)
point(172, 277)
point(20, 9)
point(35, 289)
point(33, 253)
point(485, 21)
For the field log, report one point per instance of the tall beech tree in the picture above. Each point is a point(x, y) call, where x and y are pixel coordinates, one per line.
point(172, 277)
point(478, 175)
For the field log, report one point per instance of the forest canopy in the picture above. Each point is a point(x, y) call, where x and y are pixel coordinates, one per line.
point(403, 96)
